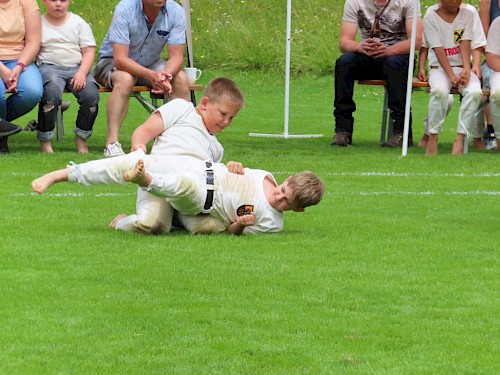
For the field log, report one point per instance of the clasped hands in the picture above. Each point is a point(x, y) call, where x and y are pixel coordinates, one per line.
point(374, 48)
point(10, 79)
point(462, 80)
point(161, 83)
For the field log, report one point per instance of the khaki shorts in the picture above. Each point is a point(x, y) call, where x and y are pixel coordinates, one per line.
point(106, 66)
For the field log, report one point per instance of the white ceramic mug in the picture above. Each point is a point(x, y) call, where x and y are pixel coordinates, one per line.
point(192, 74)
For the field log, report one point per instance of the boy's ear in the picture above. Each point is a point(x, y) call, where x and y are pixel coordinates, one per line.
point(204, 101)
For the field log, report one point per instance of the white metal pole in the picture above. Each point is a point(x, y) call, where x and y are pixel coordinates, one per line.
point(287, 65)
point(287, 84)
point(187, 10)
point(416, 7)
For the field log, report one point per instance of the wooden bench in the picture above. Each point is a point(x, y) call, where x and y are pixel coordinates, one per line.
point(149, 105)
point(385, 129)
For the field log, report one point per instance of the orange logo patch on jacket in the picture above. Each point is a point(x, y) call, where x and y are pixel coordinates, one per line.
point(246, 209)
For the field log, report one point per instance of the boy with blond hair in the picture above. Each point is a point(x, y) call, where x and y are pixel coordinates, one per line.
point(248, 202)
point(188, 133)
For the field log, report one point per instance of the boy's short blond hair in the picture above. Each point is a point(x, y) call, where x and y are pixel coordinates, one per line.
point(223, 88)
point(307, 189)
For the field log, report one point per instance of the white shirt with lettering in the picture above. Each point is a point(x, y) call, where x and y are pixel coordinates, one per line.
point(439, 33)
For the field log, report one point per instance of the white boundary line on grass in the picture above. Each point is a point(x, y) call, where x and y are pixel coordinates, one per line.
point(398, 174)
point(360, 174)
point(359, 193)
point(75, 195)
point(329, 174)
point(376, 193)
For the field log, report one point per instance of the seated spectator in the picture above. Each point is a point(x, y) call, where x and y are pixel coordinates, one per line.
point(65, 59)
point(477, 45)
point(130, 55)
point(385, 28)
point(493, 60)
point(448, 31)
point(21, 83)
point(488, 11)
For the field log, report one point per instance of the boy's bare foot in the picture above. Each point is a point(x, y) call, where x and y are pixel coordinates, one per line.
point(458, 145)
point(432, 145)
point(40, 184)
point(46, 147)
point(81, 145)
point(478, 143)
point(423, 140)
point(116, 220)
point(138, 175)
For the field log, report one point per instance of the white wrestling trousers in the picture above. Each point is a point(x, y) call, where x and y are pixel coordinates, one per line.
point(438, 102)
point(153, 214)
point(448, 110)
point(477, 128)
point(495, 102)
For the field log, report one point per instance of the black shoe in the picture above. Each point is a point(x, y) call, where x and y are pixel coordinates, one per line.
point(396, 140)
point(6, 128)
point(342, 139)
point(31, 127)
point(4, 147)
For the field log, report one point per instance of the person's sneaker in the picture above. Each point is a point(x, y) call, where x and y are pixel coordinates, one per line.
point(6, 128)
point(396, 140)
point(491, 141)
point(342, 139)
point(113, 149)
point(491, 144)
point(4, 147)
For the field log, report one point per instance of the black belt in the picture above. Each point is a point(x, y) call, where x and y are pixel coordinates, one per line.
point(456, 66)
point(210, 181)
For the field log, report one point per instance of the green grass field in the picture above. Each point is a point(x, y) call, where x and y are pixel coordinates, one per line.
point(395, 272)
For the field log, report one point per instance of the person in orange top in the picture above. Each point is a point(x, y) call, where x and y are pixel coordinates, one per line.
point(21, 84)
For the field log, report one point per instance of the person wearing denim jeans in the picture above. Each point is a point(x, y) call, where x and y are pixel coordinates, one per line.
point(384, 56)
point(21, 83)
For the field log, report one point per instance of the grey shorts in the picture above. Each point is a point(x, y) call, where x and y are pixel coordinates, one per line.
point(106, 66)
